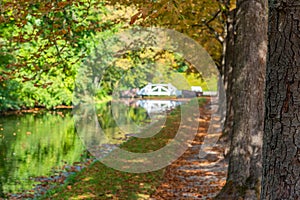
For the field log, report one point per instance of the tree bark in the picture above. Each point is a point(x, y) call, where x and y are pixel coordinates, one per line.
point(1, 190)
point(228, 80)
point(281, 151)
point(248, 83)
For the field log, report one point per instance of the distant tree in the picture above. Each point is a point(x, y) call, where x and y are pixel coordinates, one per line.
point(1, 190)
point(227, 71)
point(42, 46)
point(247, 42)
point(200, 20)
point(281, 152)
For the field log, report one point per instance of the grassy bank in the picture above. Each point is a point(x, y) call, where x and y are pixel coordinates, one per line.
point(101, 182)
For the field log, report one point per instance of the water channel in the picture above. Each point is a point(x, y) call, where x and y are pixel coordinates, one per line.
point(34, 144)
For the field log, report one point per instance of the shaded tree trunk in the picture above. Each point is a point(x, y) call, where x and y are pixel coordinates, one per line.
point(247, 97)
point(228, 79)
point(281, 154)
point(1, 190)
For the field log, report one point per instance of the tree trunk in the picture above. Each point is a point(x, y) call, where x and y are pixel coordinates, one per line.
point(281, 152)
point(250, 47)
point(1, 190)
point(228, 80)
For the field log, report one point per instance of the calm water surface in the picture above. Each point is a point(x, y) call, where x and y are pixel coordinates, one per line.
point(33, 144)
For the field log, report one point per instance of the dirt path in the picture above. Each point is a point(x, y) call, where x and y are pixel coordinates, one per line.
point(191, 177)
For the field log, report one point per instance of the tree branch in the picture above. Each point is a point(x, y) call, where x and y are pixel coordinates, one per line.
point(217, 35)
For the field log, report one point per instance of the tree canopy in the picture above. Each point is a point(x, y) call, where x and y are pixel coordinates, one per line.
point(43, 43)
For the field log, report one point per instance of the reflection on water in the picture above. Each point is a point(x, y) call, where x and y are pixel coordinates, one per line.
point(134, 117)
point(158, 106)
point(31, 145)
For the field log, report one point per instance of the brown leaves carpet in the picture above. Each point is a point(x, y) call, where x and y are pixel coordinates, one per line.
point(192, 177)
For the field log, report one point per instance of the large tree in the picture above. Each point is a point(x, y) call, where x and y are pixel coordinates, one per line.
point(281, 155)
point(247, 83)
point(244, 75)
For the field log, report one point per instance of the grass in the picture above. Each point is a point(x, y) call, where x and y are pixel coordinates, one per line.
point(101, 182)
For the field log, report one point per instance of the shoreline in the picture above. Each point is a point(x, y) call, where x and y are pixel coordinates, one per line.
point(33, 110)
point(39, 109)
point(98, 179)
